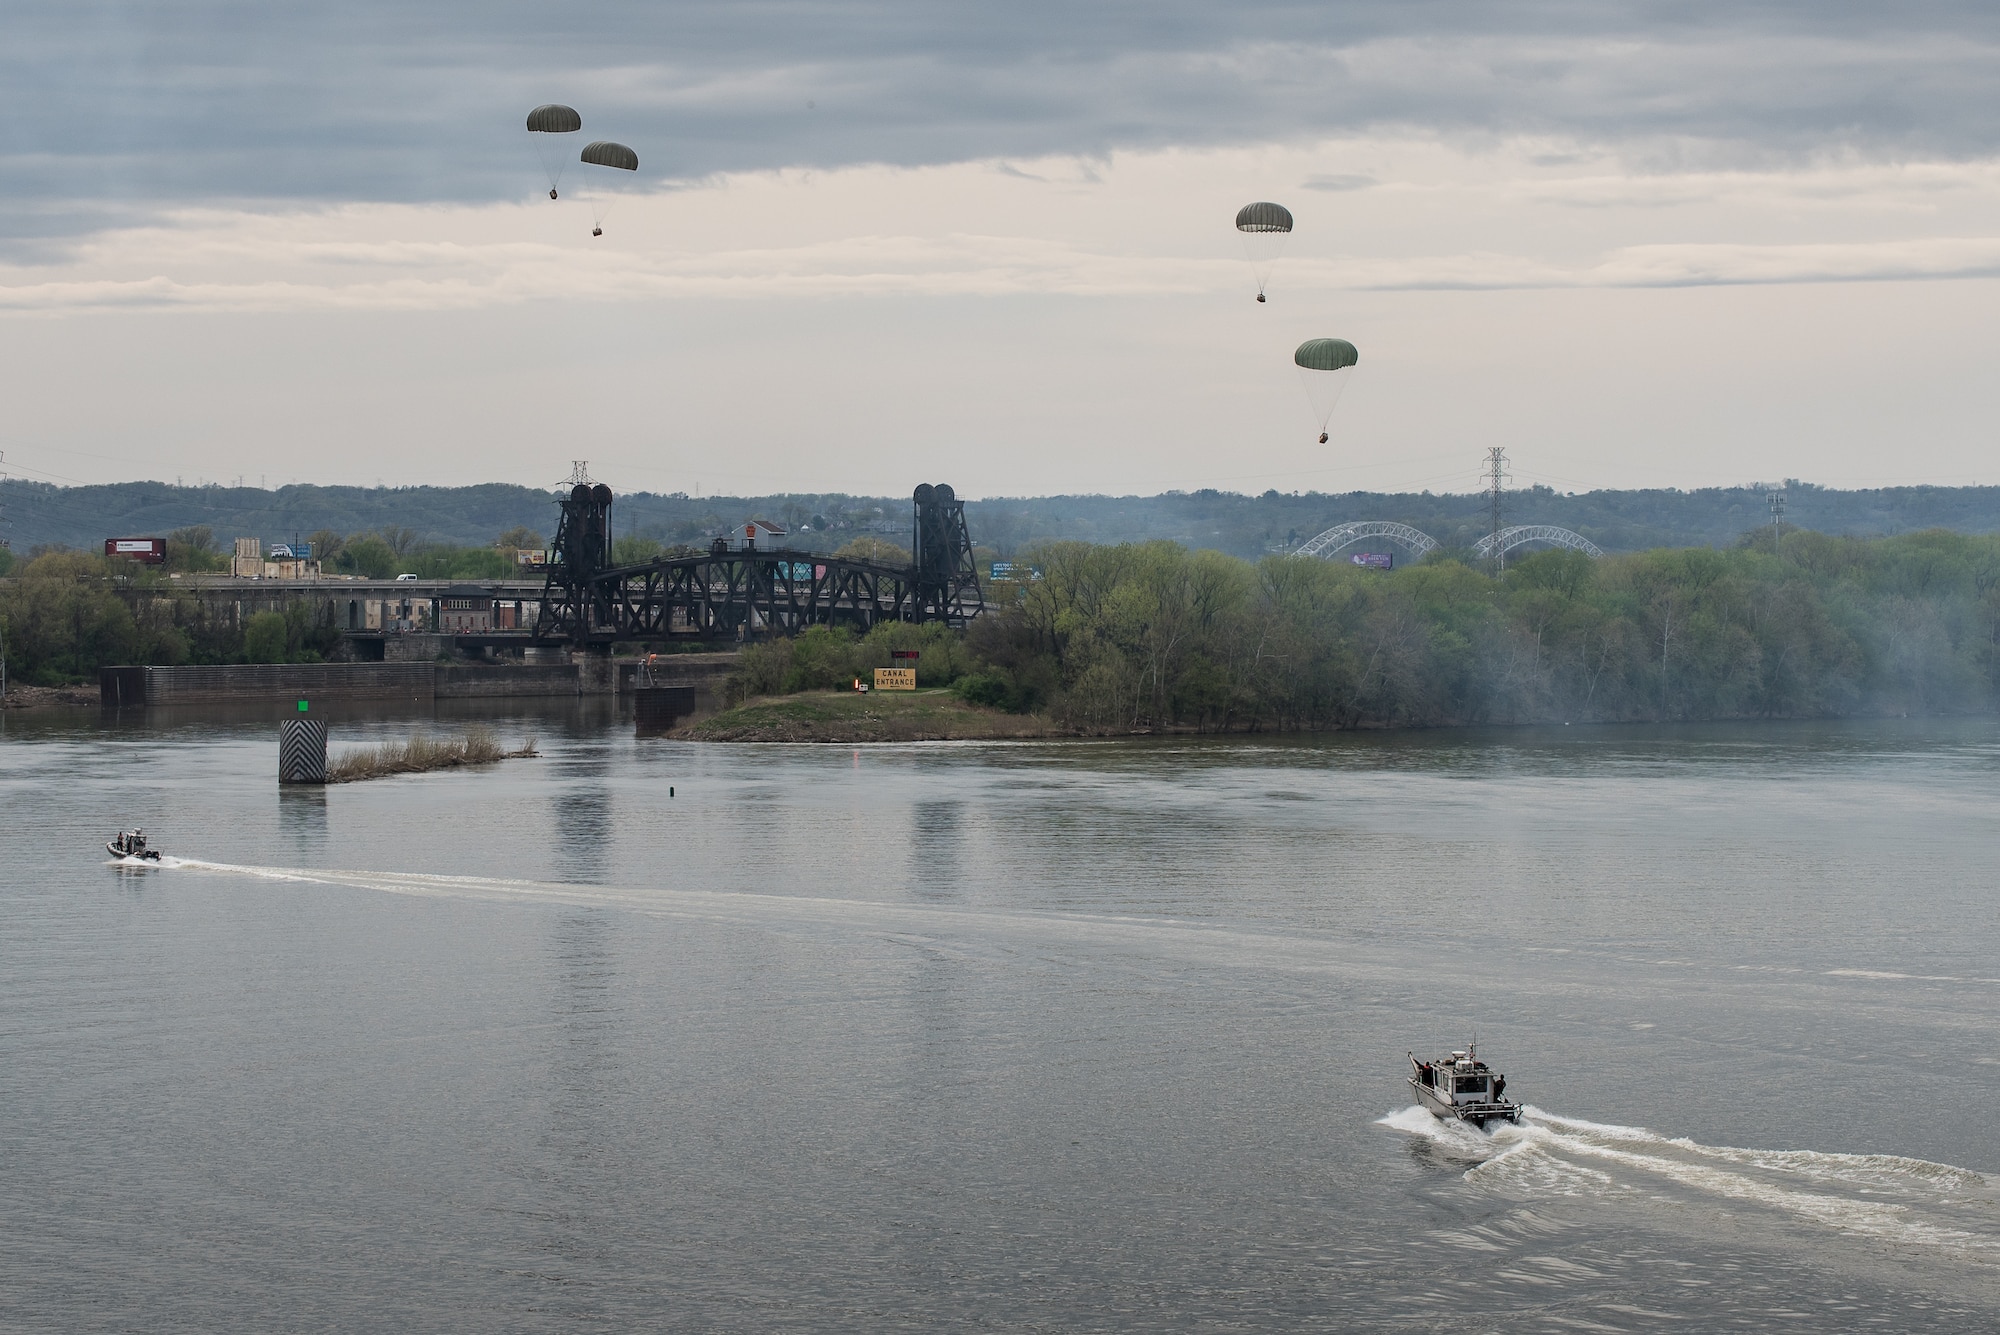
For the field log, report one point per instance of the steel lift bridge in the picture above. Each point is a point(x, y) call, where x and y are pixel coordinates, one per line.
point(746, 592)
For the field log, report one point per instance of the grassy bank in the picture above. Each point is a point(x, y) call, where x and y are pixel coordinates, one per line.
point(421, 754)
point(879, 716)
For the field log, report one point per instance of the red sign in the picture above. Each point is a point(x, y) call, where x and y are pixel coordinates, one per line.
point(903, 655)
point(150, 551)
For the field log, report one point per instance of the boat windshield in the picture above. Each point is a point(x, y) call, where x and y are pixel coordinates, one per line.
point(1472, 1084)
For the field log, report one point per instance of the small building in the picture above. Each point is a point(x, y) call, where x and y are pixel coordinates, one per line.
point(760, 533)
point(465, 609)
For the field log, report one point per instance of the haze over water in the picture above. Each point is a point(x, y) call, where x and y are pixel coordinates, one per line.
point(1090, 1036)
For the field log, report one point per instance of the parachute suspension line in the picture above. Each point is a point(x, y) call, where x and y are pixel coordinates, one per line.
point(612, 161)
point(550, 125)
point(1325, 364)
point(1264, 228)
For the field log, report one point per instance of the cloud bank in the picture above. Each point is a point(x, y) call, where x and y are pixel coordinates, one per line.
point(121, 108)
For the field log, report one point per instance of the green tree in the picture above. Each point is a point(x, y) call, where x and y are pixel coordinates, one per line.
point(264, 638)
point(519, 539)
point(868, 547)
point(65, 619)
point(366, 554)
point(632, 550)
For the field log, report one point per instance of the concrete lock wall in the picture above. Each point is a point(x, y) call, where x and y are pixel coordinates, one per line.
point(251, 683)
point(238, 682)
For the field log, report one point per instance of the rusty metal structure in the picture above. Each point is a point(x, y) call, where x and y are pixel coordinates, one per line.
point(744, 592)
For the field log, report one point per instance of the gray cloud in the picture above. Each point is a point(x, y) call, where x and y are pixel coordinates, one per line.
point(120, 108)
point(1338, 184)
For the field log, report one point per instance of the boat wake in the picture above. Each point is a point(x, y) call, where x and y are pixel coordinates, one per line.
point(1897, 1199)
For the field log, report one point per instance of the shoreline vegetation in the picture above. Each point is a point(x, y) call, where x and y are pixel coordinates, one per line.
point(1153, 637)
point(877, 716)
point(422, 754)
point(1158, 637)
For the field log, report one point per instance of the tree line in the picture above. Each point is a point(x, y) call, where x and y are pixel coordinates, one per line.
point(64, 614)
point(1791, 624)
point(1151, 634)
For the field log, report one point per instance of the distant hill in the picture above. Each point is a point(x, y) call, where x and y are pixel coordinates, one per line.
point(36, 514)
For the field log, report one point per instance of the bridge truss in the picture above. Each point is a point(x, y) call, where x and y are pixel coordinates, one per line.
point(1507, 539)
point(1342, 536)
point(741, 593)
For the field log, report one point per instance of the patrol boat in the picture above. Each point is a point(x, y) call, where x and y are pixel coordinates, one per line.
point(1463, 1087)
point(132, 844)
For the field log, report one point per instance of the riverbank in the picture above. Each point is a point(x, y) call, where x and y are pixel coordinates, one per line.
point(877, 716)
point(45, 697)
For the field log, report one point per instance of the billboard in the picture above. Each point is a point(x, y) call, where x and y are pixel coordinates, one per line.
point(151, 551)
point(1375, 560)
point(895, 679)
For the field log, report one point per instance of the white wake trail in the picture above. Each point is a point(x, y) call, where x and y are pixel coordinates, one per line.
point(1891, 1197)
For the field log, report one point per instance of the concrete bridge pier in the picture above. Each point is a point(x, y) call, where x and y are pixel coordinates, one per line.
point(596, 673)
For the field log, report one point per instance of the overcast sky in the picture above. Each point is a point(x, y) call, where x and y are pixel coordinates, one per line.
point(872, 244)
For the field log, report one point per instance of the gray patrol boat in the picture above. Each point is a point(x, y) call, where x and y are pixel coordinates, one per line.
point(1462, 1087)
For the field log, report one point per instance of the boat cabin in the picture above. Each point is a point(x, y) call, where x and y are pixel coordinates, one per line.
point(1462, 1078)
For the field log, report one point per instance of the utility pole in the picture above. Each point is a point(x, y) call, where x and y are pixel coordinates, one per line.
point(1776, 500)
point(1496, 483)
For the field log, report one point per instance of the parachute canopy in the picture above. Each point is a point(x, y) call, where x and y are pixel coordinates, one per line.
point(1326, 354)
point(554, 118)
point(1263, 218)
point(604, 153)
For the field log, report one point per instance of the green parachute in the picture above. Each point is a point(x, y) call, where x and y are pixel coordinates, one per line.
point(612, 162)
point(550, 124)
point(1324, 366)
point(1265, 228)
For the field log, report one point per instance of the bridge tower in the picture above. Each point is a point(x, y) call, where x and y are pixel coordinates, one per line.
point(582, 549)
point(947, 578)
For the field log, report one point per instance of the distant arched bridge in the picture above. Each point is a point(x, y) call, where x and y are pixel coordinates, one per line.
point(1346, 535)
point(1507, 539)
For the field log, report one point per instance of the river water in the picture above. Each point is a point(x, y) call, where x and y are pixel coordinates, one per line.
point(1049, 1037)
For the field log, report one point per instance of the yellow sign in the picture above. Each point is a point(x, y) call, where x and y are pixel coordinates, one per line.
point(895, 679)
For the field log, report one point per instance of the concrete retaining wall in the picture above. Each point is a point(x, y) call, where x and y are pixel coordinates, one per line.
point(274, 681)
point(247, 683)
point(463, 680)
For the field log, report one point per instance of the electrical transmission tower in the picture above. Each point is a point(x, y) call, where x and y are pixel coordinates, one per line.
point(1776, 500)
point(1496, 484)
point(579, 473)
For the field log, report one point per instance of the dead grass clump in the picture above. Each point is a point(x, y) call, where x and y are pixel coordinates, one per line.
point(420, 754)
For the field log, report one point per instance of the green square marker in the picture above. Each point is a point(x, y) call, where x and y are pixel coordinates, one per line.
point(302, 706)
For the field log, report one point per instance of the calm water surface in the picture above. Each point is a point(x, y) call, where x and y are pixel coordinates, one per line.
point(1001, 1037)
